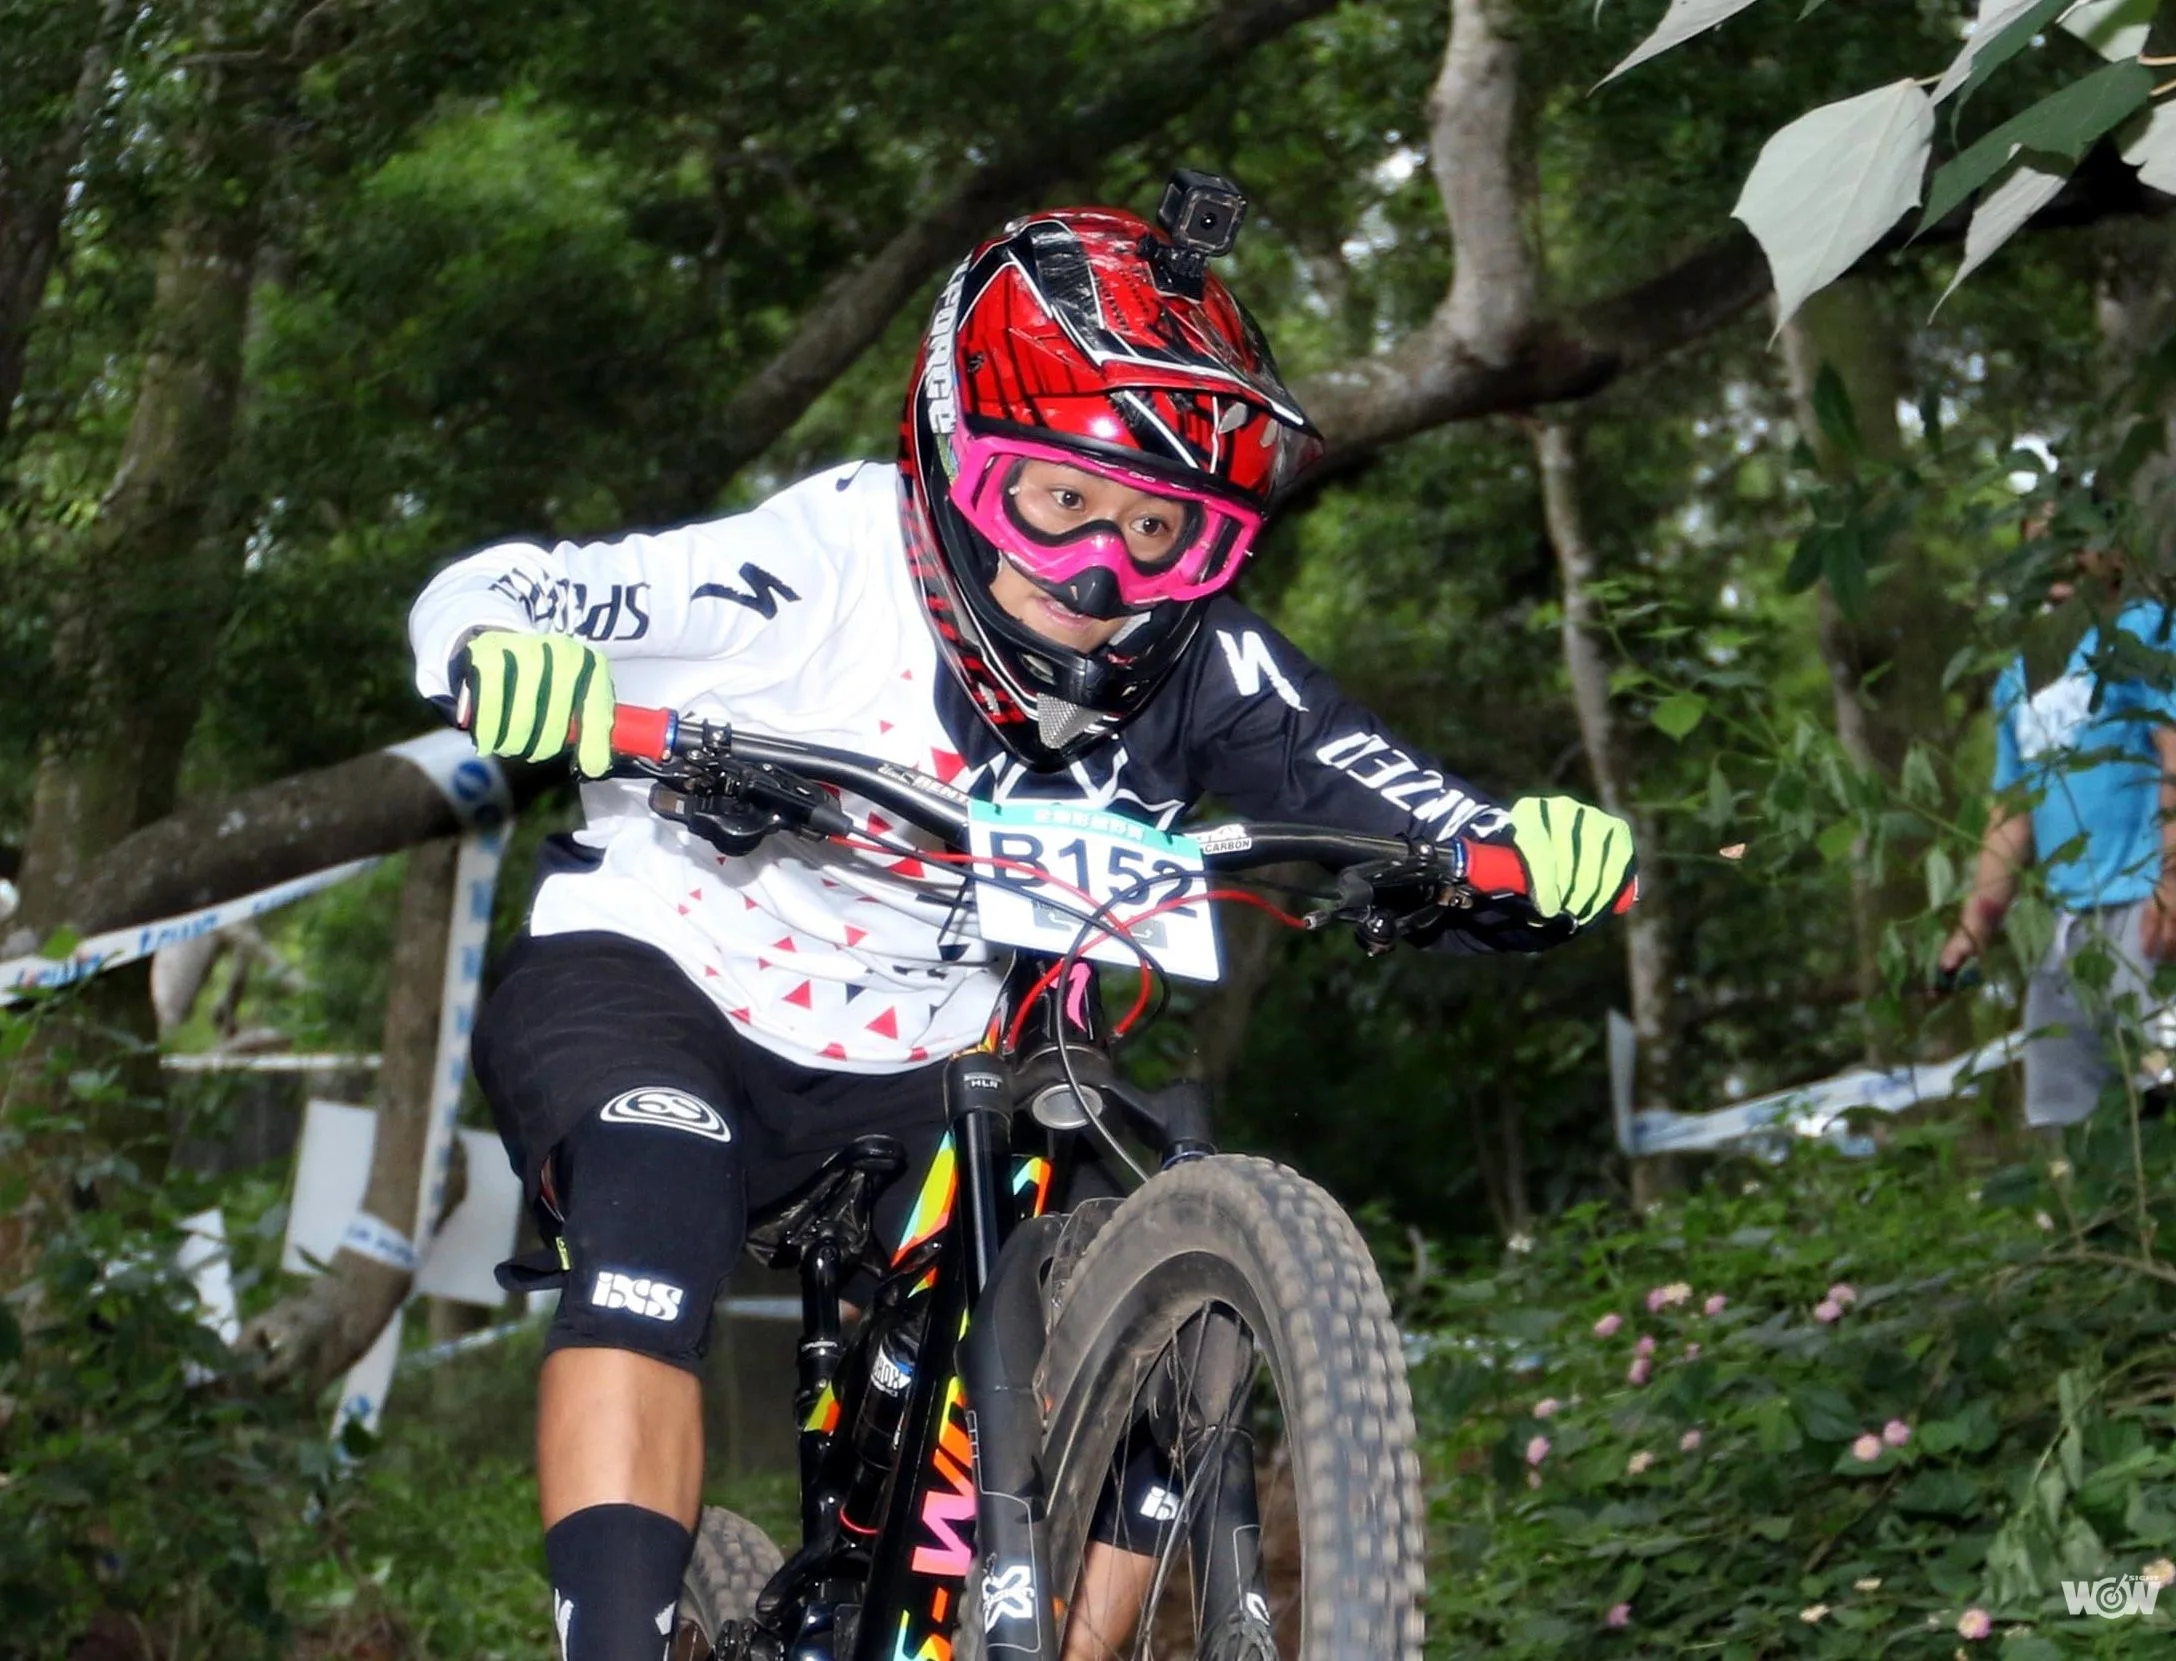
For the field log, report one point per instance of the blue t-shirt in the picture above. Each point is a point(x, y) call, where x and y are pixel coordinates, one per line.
point(2084, 747)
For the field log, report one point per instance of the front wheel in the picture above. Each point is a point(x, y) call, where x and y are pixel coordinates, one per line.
point(1229, 1446)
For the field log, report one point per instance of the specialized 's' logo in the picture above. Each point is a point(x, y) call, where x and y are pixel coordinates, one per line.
point(658, 1299)
point(763, 593)
point(1251, 663)
point(1008, 1594)
point(668, 1110)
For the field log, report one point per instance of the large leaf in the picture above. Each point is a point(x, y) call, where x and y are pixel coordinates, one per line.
point(2063, 124)
point(2001, 30)
point(1827, 186)
point(2116, 29)
point(1680, 23)
point(2028, 187)
point(2153, 149)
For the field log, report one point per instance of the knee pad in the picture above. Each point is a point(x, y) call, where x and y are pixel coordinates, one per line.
point(653, 1193)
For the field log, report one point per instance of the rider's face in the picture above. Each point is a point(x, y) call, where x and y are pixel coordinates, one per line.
point(1056, 499)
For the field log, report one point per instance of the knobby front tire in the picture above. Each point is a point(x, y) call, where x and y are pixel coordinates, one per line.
point(1241, 1245)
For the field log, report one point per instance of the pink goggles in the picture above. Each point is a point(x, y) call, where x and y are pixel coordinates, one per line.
point(1202, 555)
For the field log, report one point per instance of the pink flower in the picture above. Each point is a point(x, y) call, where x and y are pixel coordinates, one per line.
point(1668, 1297)
point(1646, 1346)
point(1866, 1449)
point(1546, 1407)
point(1896, 1433)
point(1607, 1326)
point(1827, 1310)
point(1843, 1292)
point(1620, 1614)
point(1638, 1371)
point(1692, 1352)
point(1975, 1623)
point(1689, 1442)
point(1715, 1305)
point(1537, 1450)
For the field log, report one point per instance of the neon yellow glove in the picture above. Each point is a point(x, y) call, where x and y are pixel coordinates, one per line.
point(1579, 859)
point(526, 691)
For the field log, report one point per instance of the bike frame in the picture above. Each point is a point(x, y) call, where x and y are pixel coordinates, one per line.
point(974, 1196)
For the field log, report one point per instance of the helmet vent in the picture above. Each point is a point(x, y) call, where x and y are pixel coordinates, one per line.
point(1058, 723)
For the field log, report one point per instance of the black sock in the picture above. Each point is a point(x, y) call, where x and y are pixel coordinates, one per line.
point(615, 1581)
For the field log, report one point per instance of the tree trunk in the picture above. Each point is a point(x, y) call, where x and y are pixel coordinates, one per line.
point(34, 197)
point(1648, 972)
point(1885, 665)
point(316, 1335)
point(137, 629)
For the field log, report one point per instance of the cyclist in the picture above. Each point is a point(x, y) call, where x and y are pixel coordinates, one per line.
point(1030, 605)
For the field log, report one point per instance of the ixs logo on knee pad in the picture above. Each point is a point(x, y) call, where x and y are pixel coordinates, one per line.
point(668, 1110)
point(658, 1299)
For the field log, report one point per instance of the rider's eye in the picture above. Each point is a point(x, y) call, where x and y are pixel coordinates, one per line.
point(1070, 500)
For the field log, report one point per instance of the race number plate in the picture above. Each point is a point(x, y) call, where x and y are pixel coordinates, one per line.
point(1105, 856)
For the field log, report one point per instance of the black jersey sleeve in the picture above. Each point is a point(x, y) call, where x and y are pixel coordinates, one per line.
point(1269, 733)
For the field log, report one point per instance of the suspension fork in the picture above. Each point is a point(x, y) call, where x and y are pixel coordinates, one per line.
point(1224, 1523)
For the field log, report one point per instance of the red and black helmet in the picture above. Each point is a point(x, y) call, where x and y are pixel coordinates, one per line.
point(1081, 335)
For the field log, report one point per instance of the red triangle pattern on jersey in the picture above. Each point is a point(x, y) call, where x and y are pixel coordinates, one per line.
point(695, 893)
point(883, 725)
point(854, 936)
point(800, 995)
point(710, 971)
point(740, 1015)
point(949, 765)
point(879, 825)
point(784, 945)
point(683, 911)
point(748, 901)
point(886, 1025)
point(917, 1054)
point(834, 1051)
point(912, 869)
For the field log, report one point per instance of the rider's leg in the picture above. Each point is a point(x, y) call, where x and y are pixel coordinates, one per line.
point(1114, 1583)
point(653, 1215)
point(601, 1051)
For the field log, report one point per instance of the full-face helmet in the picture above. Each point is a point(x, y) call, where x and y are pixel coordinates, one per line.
point(1082, 336)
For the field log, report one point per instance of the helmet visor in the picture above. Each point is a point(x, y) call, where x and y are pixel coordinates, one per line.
point(1056, 512)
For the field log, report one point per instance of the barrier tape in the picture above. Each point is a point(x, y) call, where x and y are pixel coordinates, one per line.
point(468, 933)
point(278, 1061)
point(380, 1241)
point(21, 976)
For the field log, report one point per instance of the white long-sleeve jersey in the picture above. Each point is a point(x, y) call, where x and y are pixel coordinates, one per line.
point(799, 620)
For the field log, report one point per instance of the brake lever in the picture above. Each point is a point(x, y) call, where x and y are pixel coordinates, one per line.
point(1361, 890)
point(747, 801)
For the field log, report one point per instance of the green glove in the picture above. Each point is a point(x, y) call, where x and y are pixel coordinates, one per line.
point(525, 691)
point(1579, 859)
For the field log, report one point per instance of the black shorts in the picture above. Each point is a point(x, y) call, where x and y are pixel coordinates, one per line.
point(646, 1129)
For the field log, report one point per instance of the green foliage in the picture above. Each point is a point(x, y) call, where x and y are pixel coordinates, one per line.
point(1824, 1410)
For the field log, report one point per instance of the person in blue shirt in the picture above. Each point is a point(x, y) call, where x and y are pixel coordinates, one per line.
point(2085, 783)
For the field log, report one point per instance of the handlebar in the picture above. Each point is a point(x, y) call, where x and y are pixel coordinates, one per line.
point(775, 774)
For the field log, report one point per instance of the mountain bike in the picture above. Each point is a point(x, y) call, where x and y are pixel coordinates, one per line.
point(1170, 1424)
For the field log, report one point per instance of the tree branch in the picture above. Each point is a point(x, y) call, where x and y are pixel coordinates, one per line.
point(855, 309)
point(213, 850)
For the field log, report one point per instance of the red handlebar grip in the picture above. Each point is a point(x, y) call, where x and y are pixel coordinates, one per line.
point(1495, 868)
point(643, 733)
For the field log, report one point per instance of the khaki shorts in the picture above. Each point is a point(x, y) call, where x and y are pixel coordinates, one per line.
point(2076, 1034)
